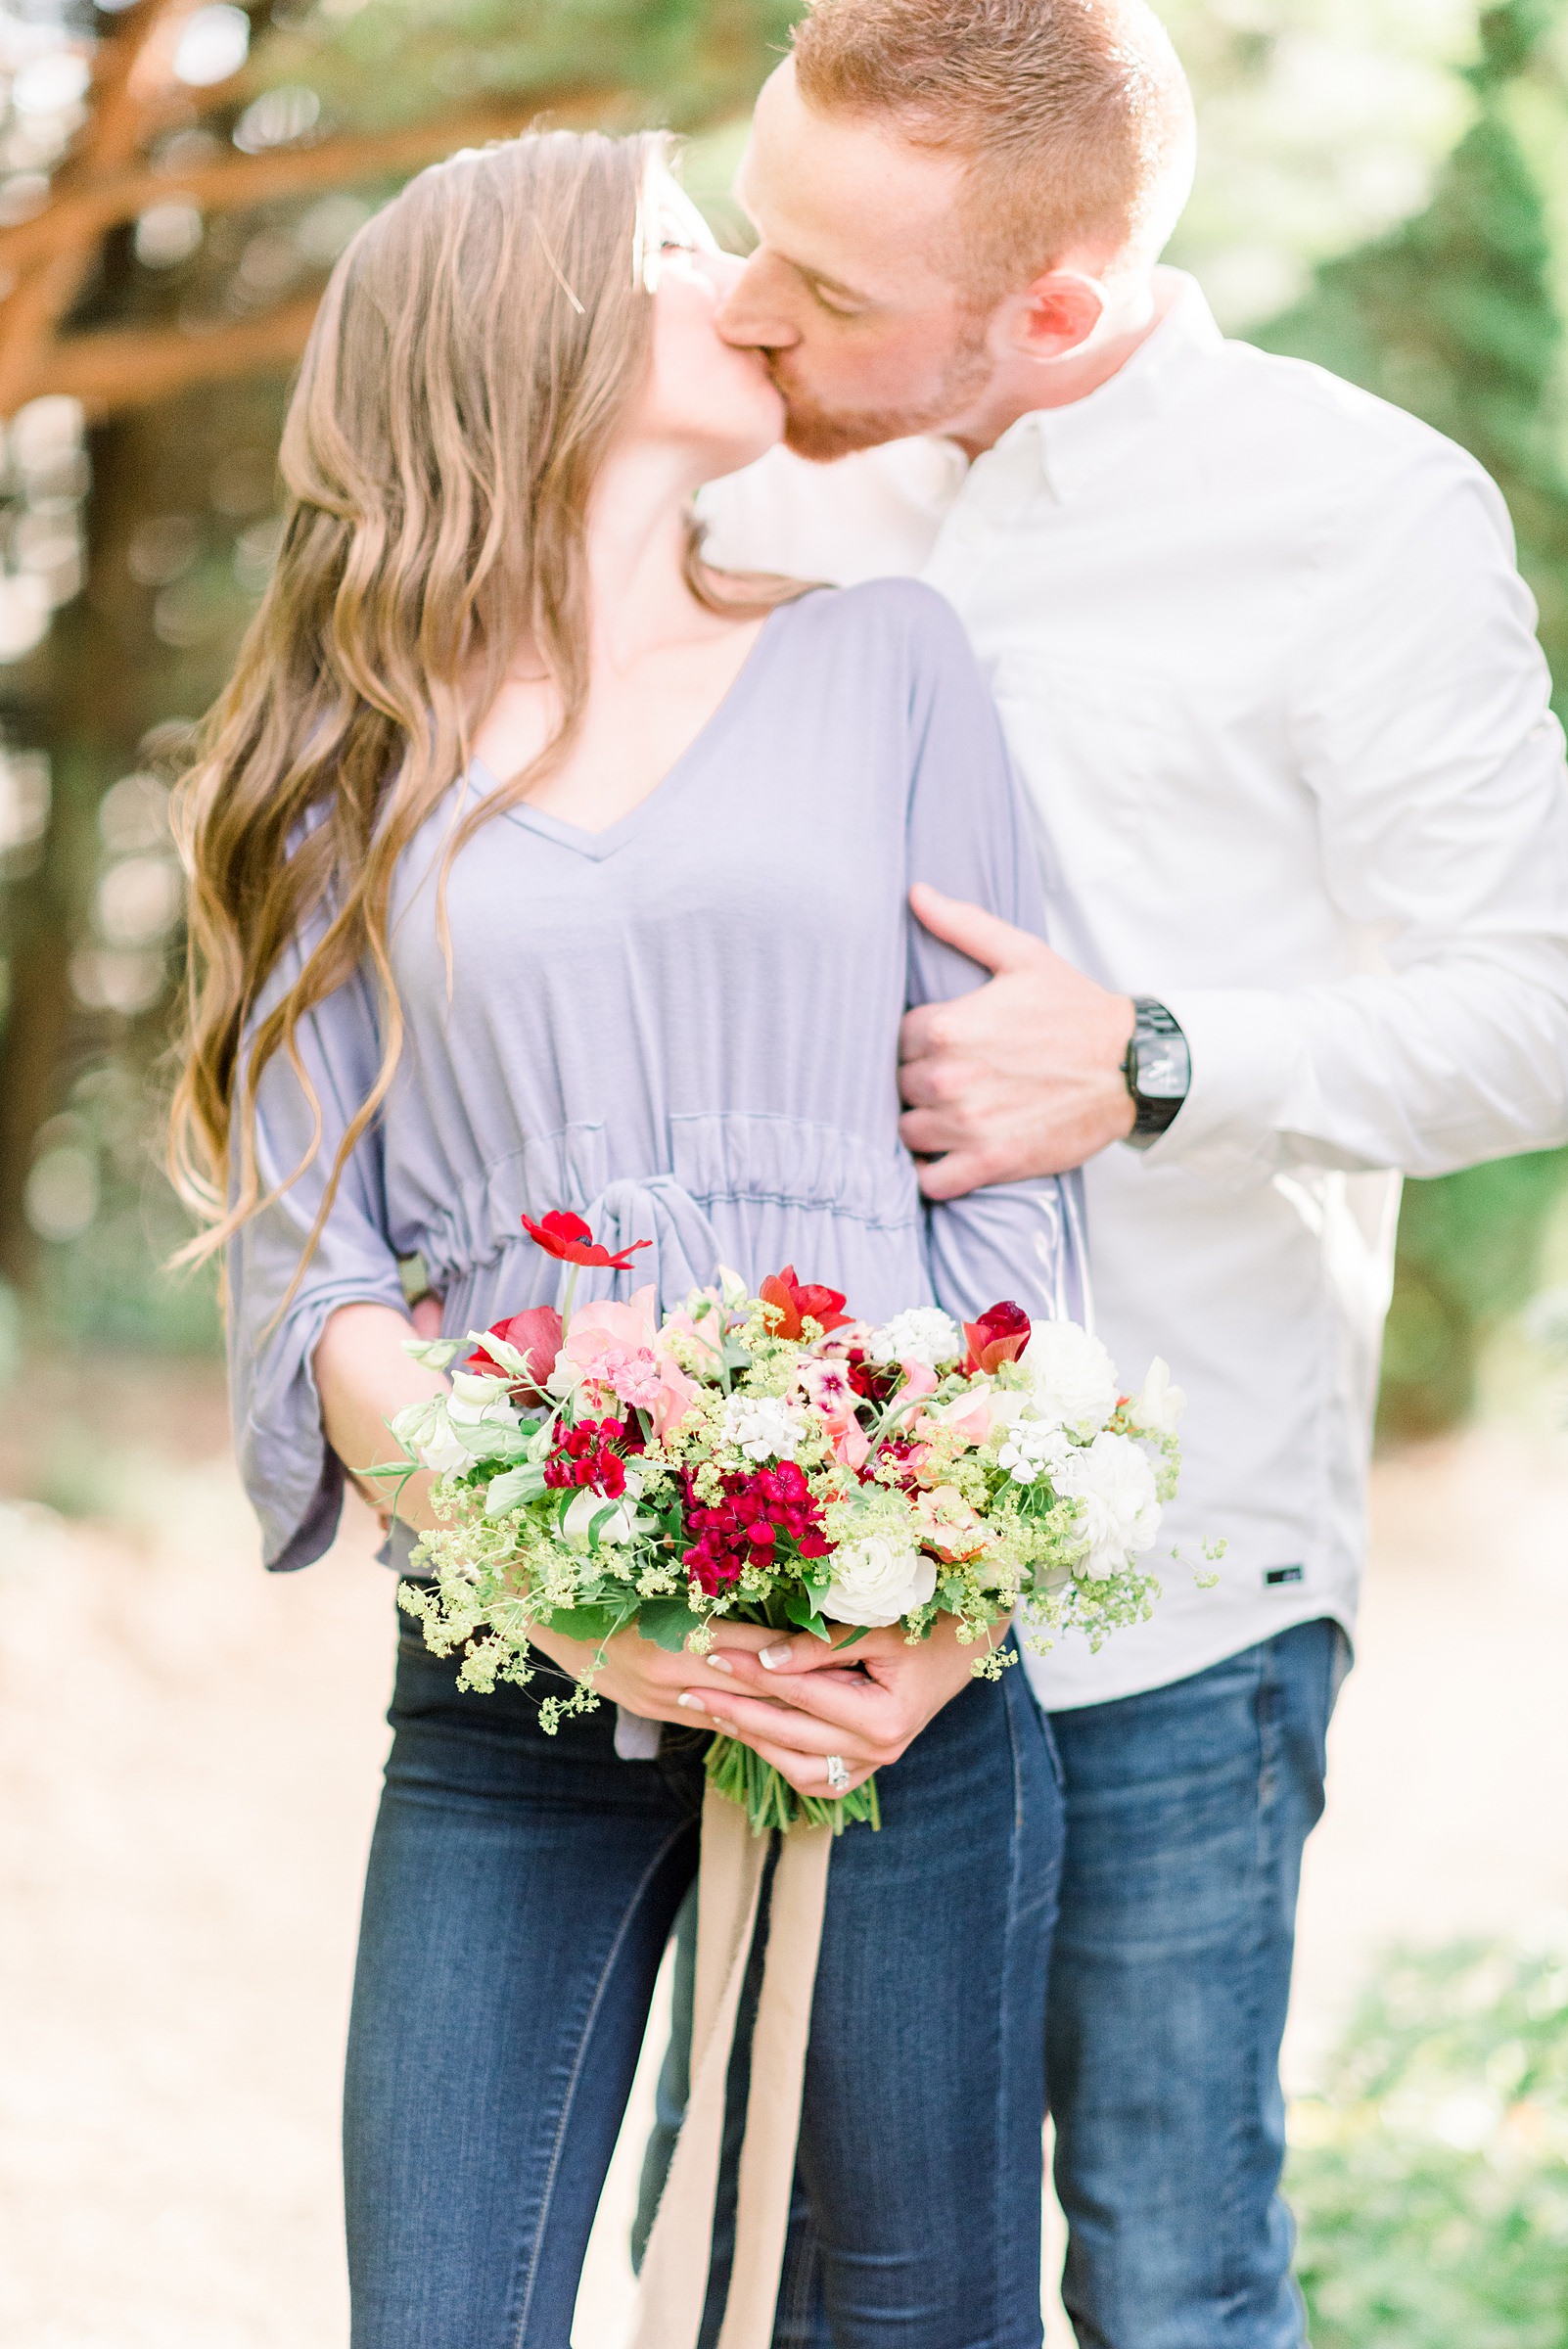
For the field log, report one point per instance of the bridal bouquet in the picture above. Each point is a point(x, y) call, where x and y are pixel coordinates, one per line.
point(770, 1460)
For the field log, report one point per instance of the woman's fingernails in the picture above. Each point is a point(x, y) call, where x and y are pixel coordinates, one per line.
point(771, 1658)
point(720, 1663)
point(691, 1700)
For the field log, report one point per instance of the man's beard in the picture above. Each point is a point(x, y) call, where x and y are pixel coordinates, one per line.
point(821, 434)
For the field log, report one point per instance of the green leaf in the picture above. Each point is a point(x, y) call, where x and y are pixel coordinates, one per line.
point(586, 1623)
point(800, 1607)
point(667, 1622)
point(511, 1490)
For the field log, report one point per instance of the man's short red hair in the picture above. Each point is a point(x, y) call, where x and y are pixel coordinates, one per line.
point(1072, 117)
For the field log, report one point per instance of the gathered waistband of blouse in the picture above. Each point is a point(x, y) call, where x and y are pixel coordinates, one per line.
point(715, 1158)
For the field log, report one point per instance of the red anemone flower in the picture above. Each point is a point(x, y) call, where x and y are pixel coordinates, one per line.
point(796, 1299)
point(569, 1240)
point(999, 1336)
point(536, 1335)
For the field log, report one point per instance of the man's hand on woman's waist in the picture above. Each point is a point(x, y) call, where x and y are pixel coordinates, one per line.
point(1021, 1078)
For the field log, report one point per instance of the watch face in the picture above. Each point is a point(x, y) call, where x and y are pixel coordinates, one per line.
point(1164, 1068)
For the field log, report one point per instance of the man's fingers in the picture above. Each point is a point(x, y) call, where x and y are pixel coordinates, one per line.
point(984, 937)
point(959, 1171)
point(936, 1083)
point(931, 1133)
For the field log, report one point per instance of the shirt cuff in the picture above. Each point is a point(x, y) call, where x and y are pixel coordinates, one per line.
point(1243, 1044)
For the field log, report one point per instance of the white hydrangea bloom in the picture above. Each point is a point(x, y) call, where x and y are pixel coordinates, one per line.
point(876, 1581)
point(1072, 1379)
point(925, 1334)
point(1113, 1481)
point(762, 1427)
point(1032, 1450)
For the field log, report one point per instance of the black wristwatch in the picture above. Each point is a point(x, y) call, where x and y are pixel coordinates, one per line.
point(1158, 1068)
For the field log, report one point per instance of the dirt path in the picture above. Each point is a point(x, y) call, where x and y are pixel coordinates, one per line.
point(188, 1763)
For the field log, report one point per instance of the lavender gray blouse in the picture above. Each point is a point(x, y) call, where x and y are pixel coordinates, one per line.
point(684, 1028)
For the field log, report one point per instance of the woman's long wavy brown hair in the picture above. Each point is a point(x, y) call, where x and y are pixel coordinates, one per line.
point(478, 347)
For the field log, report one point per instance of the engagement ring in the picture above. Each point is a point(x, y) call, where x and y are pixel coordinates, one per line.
point(838, 1773)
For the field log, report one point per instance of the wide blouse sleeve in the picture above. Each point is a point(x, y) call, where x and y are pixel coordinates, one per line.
point(969, 835)
point(275, 1322)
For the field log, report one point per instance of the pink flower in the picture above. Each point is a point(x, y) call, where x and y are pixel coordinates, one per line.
point(948, 1525)
point(827, 1386)
point(635, 1376)
point(598, 1329)
point(969, 1418)
point(676, 1395)
point(620, 1347)
point(852, 1445)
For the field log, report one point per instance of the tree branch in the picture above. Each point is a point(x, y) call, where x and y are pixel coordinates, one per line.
point(130, 366)
point(82, 214)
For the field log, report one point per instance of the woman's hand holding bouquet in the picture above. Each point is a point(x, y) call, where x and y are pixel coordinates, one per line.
point(768, 1461)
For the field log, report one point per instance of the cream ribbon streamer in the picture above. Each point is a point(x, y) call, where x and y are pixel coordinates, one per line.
point(675, 2267)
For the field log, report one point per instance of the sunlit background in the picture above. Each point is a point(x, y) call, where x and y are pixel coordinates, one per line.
point(188, 1754)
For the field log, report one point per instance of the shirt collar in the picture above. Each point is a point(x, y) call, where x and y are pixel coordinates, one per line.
point(1075, 442)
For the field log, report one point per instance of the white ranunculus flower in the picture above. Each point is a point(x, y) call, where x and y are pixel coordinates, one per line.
point(565, 1379)
point(875, 1580)
point(763, 1427)
point(1113, 1483)
point(1072, 1379)
point(1159, 1406)
point(925, 1334)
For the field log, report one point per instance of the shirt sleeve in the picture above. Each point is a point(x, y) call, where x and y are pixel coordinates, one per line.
point(970, 836)
point(294, 1479)
point(1423, 732)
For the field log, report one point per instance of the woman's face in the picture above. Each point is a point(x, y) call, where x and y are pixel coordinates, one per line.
point(702, 394)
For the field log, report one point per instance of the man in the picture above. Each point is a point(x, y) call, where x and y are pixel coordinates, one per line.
point(1270, 677)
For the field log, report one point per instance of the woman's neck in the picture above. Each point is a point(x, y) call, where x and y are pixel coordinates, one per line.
point(639, 600)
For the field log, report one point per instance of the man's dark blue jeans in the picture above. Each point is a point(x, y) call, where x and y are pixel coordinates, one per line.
point(1188, 1808)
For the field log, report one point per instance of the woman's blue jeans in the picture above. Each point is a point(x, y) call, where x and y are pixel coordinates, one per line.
point(520, 1895)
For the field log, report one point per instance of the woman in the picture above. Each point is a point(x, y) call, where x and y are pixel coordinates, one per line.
point(536, 867)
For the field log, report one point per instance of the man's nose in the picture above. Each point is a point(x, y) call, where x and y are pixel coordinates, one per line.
point(748, 315)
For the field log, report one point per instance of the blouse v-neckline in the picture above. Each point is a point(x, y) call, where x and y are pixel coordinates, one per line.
point(597, 846)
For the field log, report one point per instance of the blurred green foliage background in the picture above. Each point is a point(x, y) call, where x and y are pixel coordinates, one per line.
point(1384, 188)
point(1430, 2173)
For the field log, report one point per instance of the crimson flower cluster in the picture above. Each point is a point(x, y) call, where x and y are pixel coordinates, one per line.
point(745, 1526)
point(586, 1456)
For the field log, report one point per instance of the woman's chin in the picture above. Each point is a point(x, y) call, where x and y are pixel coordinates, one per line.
point(743, 447)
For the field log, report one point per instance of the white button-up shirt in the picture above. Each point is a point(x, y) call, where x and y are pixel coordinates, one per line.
point(1269, 673)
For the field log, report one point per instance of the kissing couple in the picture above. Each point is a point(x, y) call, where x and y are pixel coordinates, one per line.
point(552, 850)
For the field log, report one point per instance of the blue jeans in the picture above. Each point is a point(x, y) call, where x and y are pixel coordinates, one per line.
point(520, 1895)
point(1188, 1809)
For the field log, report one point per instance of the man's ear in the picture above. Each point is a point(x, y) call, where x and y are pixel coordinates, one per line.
point(1058, 314)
